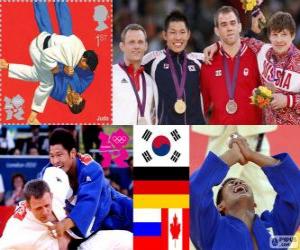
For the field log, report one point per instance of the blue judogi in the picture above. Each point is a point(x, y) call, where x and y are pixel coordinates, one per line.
point(79, 82)
point(81, 79)
point(210, 230)
point(98, 206)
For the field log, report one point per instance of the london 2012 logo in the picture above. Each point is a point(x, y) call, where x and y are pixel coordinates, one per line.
point(112, 148)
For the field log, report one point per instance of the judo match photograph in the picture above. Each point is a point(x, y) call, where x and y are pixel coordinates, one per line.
point(66, 188)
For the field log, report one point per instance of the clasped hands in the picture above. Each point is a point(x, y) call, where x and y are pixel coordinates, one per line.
point(69, 70)
point(239, 150)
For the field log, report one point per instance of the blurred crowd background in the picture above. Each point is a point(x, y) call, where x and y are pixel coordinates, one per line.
point(24, 147)
point(199, 13)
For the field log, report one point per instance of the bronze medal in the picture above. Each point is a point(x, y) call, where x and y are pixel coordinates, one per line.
point(142, 121)
point(231, 107)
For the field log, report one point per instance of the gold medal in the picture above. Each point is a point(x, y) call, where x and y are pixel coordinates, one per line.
point(142, 121)
point(231, 107)
point(180, 106)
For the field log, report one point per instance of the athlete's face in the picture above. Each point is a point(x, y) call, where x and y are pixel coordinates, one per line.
point(41, 208)
point(177, 36)
point(61, 158)
point(234, 193)
point(228, 29)
point(281, 40)
point(83, 64)
point(134, 46)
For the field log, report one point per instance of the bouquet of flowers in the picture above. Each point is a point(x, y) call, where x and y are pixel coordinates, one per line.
point(262, 96)
point(248, 5)
point(253, 6)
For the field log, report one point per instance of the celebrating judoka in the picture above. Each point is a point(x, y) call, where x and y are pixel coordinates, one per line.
point(232, 223)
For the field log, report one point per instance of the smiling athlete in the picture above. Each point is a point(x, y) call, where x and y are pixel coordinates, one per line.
point(176, 74)
point(279, 68)
point(108, 210)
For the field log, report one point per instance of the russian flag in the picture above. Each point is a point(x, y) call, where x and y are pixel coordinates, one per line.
point(147, 222)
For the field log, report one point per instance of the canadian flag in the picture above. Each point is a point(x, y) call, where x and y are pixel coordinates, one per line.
point(175, 229)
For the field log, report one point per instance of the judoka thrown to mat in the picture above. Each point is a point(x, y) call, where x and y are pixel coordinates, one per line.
point(61, 64)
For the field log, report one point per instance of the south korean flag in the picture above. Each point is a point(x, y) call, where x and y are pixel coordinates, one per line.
point(161, 146)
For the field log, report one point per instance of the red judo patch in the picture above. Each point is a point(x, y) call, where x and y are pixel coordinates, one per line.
point(21, 211)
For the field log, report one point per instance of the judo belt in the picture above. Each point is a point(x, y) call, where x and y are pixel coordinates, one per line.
point(46, 41)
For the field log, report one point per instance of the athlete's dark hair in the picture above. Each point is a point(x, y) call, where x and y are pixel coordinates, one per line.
point(77, 108)
point(63, 137)
point(220, 192)
point(91, 59)
point(176, 16)
point(280, 21)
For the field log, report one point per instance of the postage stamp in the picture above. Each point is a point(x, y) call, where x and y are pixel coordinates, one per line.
point(55, 62)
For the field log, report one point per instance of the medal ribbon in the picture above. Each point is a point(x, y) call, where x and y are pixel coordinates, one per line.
point(179, 88)
point(231, 85)
point(141, 103)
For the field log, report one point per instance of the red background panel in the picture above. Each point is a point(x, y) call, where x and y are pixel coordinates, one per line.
point(19, 29)
point(5, 213)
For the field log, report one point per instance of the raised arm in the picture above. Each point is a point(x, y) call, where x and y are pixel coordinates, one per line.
point(250, 37)
point(205, 91)
point(284, 176)
point(285, 179)
point(203, 213)
point(253, 156)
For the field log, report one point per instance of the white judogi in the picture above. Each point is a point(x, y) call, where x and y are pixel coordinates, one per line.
point(125, 108)
point(60, 188)
point(109, 240)
point(64, 49)
point(58, 181)
point(27, 233)
point(24, 232)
